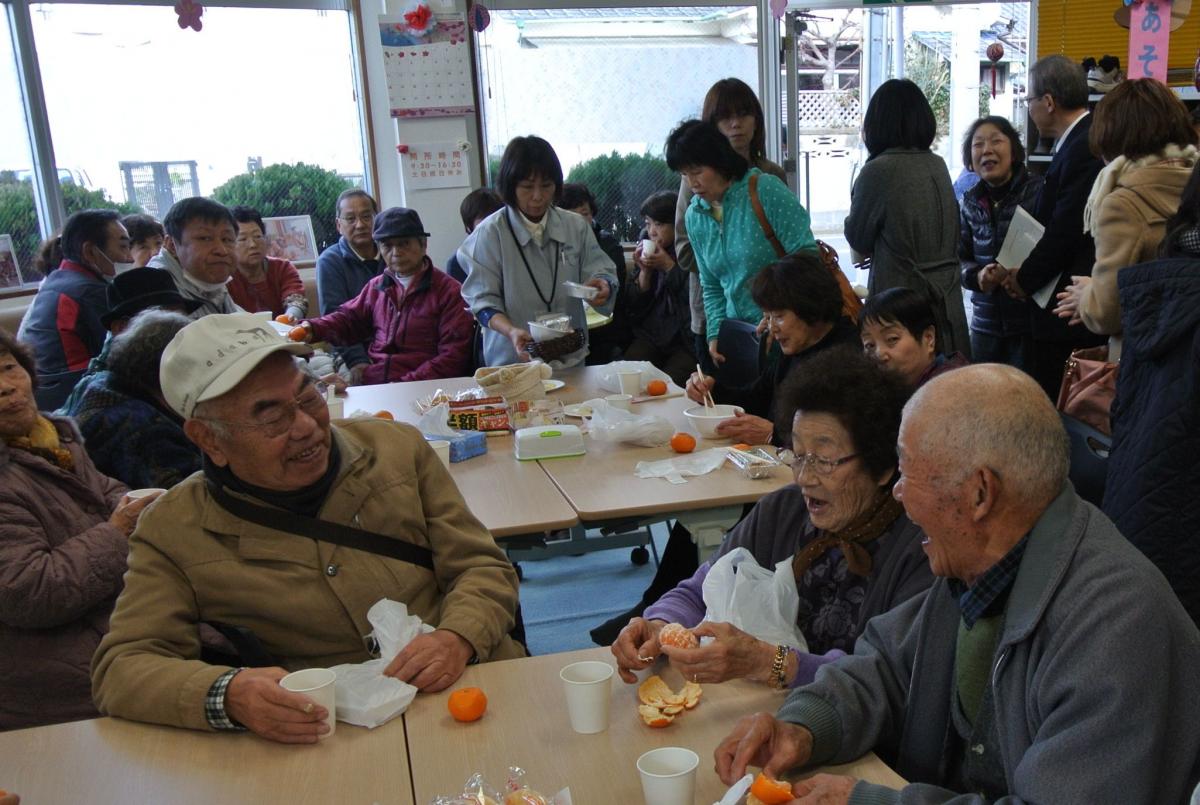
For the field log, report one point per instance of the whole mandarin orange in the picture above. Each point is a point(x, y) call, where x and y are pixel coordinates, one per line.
point(656, 388)
point(384, 415)
point(467, 704)
point(284, 318)
point(683, 442)
point(298, 334)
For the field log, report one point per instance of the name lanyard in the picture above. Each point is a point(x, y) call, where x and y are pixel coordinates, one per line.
point(554, 287)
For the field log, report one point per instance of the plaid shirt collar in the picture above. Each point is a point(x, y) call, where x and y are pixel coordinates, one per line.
point(987, 596)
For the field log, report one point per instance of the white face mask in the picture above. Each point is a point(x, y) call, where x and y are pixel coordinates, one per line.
point(117, 267)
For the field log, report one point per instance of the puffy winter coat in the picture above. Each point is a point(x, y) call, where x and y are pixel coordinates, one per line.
point(984, 217)
point(1154, 466)
point(420, 333)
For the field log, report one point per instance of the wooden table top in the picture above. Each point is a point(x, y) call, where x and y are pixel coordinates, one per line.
point(108, 761)
point(601, 485)
point(526, 725)
point(509, 497)
point(514, 497)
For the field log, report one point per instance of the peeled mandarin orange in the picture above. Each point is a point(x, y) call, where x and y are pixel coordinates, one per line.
point(384, 415)
point(771, 792)
point(678, 635)
point(741, 446)
point(683, 442)
point(467, 704)
point(656, 387)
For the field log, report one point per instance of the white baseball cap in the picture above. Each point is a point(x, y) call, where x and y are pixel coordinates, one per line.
point(213, 354)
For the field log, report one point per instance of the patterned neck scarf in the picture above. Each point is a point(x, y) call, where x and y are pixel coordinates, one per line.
point(867, 527)
point(43, 442)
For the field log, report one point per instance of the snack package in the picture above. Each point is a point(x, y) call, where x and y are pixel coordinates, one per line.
point(477, 791)
point(754, 463)
point(486, 414)
point(532, 413)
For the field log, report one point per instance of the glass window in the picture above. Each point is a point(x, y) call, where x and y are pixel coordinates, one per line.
point(606, 86)
point(19, 233)
point(257, 108)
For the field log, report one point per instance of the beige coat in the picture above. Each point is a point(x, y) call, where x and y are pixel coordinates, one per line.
point(192, 561)
point(1130, 223)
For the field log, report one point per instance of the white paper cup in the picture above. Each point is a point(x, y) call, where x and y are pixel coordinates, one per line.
point(318, 685)
point(137, 494)
point(669, 775)
point(442, 448)
point(622, 401)
point(649, 247)
point(631, 382)
point(588, 686)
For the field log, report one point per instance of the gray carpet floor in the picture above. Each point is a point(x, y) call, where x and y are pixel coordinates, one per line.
point(564, 597)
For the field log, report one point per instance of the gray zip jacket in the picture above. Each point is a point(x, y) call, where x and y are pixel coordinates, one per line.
point(1094, 680)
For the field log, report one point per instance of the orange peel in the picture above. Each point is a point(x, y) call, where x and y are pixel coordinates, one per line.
point(769, 791)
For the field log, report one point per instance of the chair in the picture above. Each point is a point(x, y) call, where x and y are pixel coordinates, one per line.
point(1089, 458)
point(738, 342)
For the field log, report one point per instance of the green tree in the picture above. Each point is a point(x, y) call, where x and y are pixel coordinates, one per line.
point(620, 183)
point(18, 215)
point(282, 189)
point(929, 71)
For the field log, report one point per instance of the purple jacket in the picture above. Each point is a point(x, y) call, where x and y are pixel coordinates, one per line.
point(418, 334)
point(773, 531)
point(61, 567)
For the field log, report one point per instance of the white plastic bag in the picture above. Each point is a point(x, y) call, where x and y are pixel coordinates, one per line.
point(608, 374)
point(364, 695)
point(673, 469)
point(761, 602)
point(610, 424)
point(435, 422)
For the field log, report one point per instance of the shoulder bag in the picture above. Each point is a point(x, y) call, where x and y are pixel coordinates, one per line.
point(851, 304)
point(1088, 388)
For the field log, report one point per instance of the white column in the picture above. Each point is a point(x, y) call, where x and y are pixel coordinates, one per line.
point(964, 79)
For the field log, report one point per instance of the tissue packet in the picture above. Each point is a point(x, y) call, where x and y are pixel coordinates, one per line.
point(464, 444)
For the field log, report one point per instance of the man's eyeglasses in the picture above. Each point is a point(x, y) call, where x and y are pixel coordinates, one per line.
point(280, 420)
point(349, 220)
point(819, 464)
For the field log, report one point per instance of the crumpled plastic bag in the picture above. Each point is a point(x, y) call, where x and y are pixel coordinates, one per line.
point(610, 382)
point(435, 422)
point(609, 424)
point(365, 696)
point(673, 469)
point(761, 602)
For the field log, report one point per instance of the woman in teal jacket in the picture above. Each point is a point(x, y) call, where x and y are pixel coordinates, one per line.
point(726, 236)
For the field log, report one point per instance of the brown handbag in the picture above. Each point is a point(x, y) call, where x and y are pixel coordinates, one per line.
point(851, 304)
point(1089, 385)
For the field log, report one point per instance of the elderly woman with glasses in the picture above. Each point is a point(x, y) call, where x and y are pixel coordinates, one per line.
point(853, 551)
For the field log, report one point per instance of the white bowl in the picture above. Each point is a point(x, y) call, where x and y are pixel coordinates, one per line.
point(581, 291)
point(541, 332)
point(707, 419)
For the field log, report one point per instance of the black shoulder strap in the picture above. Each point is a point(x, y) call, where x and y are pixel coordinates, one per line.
point(322, 530)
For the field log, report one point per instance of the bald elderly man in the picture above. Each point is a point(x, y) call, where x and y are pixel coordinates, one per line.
point(1048, 663)
point(205, 553)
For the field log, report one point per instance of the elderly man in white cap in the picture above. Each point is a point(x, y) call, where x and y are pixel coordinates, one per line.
point(291, 532)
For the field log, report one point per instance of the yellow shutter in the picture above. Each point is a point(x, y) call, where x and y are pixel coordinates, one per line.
point(1081, 28)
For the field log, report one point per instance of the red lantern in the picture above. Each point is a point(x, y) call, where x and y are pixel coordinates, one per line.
point(995, 52)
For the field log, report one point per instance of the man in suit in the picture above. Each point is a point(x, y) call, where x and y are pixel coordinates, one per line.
point(1057, 103)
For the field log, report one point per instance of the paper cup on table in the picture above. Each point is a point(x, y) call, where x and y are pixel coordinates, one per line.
point(137, 494)
point(442, 448)
point(622, 401)
point(631, 382)
point(318, 685)
point(588, 686)
point(669, 775)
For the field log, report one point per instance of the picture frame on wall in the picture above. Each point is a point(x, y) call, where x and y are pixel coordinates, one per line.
point(291, 237)
point(10, 270)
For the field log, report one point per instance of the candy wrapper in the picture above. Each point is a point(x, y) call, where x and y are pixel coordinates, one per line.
point(754, 463)
point(477, 791)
